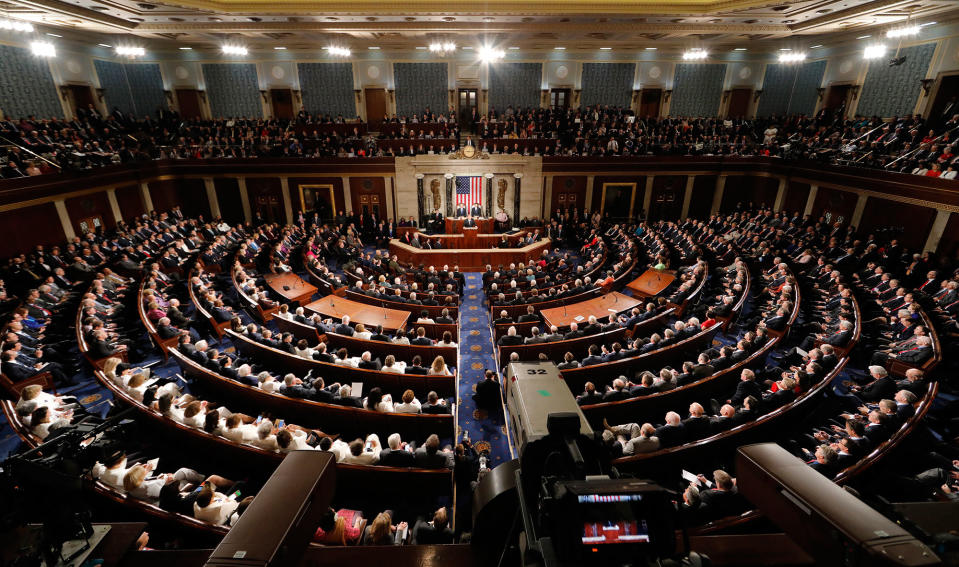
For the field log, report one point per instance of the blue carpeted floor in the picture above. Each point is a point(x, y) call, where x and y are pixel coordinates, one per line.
point(486, 430)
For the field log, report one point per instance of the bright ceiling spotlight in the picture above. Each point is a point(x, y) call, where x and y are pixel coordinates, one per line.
point(695, 55)
point(234, 50)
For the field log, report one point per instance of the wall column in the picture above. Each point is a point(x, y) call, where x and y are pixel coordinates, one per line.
point(420, 198)
point(244, 199)
point(860, 207)
point(211, 197)
point(938, 228)
point(449, 193)
point(518, 177)
point(114, 206)
point(488, 208)
point(687, 196)
point(780, 195)
point(287, 204)
point(547, 196)
point(64, 219)
point(347, 195)
point(718, 194)
point(810, 200)
point(590, 180)
point(647, 195)
point(145, 197)
point(389, 185)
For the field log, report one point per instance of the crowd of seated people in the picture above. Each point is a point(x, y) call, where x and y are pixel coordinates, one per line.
point(210, 498)
point(907, 144)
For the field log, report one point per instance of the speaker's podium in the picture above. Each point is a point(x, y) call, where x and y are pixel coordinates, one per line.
point(651, 283)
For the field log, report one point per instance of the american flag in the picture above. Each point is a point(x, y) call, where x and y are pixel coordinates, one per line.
point(468, 191)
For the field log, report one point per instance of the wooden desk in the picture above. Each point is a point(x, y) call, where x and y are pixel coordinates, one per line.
point(598, 307)
point(369, 315)
point(454, 225)
point(651, 283)
point(291, 286)
point(469, 259)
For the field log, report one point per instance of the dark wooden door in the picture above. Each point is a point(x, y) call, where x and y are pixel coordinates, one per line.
point(739, 103)
point(188, 101)
point(649, 100)
point(282, 100)
point(946, 104)
point(559, 98)
point(836, 100)
point(375, 106)
point(81, 95)
point(466, 101)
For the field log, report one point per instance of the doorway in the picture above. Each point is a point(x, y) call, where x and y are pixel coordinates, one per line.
point(559, 98)
point(282, 102)
point(375, 107)
point(946, 103)
point(467, 102)
point(80, 96)
point(269, 206)
point(618, 200)
point(649, 101)
point(188, 101)
point(836, 100)
point(739, 103)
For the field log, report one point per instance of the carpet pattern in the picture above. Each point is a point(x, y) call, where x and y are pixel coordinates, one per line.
point(476, 354)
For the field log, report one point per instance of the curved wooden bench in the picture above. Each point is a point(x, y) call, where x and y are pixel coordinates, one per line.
point(601, 374)
point(437, 482)
point(645, 408)
point(13, 389)
point(252, 305)
point(445, 386)
point(331, 417)
point(556, 350)
point(699, 449)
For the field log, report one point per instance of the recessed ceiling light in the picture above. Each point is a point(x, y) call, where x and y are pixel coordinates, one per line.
point(559, 48)
point(420, 47)
point(104, 45)
point(785, 49)
point(488, 19)
point(606, 48)
point(817, 46)
point(468, 47)
point(279, 48)
point(740, 49)
point(927, 24)
point(514, 47)
point(373, 48)
point(650, 49)
point(863, 36)
point(185, 48)
point(53, 35)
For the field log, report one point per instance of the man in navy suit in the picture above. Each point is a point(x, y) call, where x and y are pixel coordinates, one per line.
point(476, 211)
point(460, 211)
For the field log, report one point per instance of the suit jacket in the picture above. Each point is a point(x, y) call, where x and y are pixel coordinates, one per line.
point(397, 458)
point(670, 435)
point(437, 460)
point(425, 534)
point(744, 389)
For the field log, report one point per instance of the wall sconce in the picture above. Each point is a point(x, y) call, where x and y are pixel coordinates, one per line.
point(855, 91)
point(64, 89)
point(576, 93)
point(636, 95)
point(202, 95)
point(927, 86)
point(263, 94)
point(668, 94)
point(358, 94)
point(821, 92)
point(726, 95)
point(102, 92)
point(757, 94)
point(297, 96)
point(392, 95)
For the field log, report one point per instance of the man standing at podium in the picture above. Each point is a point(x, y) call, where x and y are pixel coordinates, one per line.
point(470, 222)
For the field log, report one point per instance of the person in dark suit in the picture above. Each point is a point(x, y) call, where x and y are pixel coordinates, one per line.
point(825, 461)
point(367, 362)
point(433, 532)
point(746, 387)
point(487, 394)
point(510, 338)
point(421, 338)
point(399, 454)
point(460, 211)
point(697, 425)
point(476, 210)
point(671, 433)
point(777, 322)
point(617, 391)
point(594, 356)
point(429, 455)
point(470, 222)
point(416, 367)
point(589, 395)
point(723, 500)
point(344, 327)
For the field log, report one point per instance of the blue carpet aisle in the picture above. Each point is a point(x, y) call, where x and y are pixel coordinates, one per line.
point(475, 356)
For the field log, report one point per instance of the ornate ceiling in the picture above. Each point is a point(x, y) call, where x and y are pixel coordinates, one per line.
point(532, 25)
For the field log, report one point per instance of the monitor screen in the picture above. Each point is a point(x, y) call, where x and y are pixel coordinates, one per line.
point(612, 518)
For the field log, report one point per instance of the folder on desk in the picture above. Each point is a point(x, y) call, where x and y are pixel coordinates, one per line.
point(357, 389)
